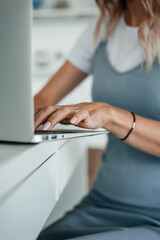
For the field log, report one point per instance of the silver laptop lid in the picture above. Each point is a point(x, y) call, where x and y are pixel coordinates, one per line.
point(16, 101)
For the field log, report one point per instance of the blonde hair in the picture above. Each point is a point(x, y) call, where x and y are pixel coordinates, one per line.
point(150, 39)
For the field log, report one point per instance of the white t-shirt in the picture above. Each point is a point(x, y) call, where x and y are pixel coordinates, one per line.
point(124, 49)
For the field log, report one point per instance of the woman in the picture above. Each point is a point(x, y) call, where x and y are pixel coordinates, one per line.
point(124, 203)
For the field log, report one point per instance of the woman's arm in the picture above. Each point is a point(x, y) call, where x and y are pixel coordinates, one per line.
point(145, 136)
point(67, 78)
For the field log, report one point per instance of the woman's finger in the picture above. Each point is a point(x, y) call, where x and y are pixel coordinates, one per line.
point(44, 114)
point(81, 115)
point(60, 115)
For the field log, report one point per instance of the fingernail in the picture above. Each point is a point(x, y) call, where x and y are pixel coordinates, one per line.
point(46, 125)
point(73, 120)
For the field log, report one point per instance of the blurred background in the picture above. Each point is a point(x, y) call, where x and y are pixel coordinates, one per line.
point(57, 4)
point(56, 26)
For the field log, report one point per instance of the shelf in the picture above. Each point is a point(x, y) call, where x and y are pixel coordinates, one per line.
point(65, 13)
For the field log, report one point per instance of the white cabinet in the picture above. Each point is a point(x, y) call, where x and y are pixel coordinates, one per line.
point(69, 156)
point(32, 179)
point(25, 209)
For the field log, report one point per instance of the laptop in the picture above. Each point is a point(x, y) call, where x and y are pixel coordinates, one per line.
point(16, 98)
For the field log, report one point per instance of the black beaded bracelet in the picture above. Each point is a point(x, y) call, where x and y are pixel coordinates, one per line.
point(133, 126)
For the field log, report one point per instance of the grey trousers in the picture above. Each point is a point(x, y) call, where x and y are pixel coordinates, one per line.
point(93, 219)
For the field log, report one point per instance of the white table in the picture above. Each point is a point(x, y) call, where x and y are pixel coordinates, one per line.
point(32, 179)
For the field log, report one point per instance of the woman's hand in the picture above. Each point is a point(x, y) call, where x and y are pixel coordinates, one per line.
point(86, 115)
point(145, 137)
